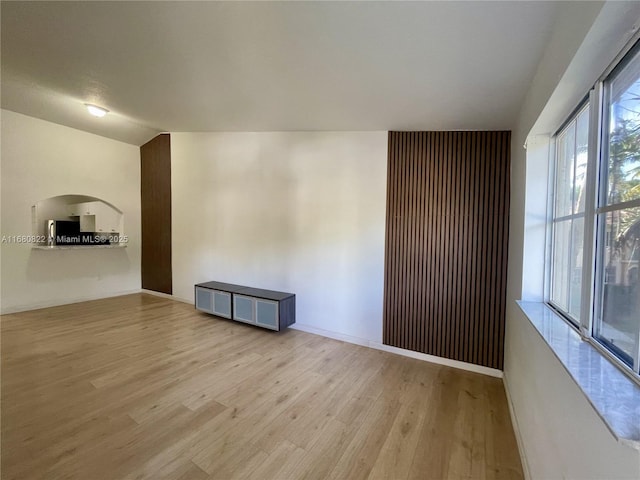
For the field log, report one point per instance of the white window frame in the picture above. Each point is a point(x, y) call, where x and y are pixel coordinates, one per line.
point(595, 189)
point(552, 220)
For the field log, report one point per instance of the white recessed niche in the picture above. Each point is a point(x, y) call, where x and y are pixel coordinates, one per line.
point(93, 215)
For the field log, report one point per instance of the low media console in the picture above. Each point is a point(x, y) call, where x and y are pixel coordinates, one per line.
point(264, 308)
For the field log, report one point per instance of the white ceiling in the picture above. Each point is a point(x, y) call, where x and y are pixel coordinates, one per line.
point(271, 66)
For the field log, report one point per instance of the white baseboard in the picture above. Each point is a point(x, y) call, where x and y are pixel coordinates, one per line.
point(66, 301)
point(329, 334)
point(470, 367)
point(166, 295)
point(516, 430)
point(158, 294)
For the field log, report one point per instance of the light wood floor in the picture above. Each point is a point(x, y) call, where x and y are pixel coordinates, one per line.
point(143, 387)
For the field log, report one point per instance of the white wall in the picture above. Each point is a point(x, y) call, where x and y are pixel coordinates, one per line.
point(560, 434)
point(299, 211)
point(42, 160)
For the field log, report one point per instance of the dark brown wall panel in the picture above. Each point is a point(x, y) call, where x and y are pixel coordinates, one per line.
point(155, 191)
point(446, 244)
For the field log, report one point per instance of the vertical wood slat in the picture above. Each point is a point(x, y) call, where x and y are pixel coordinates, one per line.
point(155, 199)
point(446, 244)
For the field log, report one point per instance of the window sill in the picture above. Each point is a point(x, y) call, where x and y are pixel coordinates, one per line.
point(614, 396)
point(76, 247)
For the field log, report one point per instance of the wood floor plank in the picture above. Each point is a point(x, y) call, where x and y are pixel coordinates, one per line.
point(142, 387)
point(435, 441)
point(360, 455)
point(396, 455)
point(274, 463)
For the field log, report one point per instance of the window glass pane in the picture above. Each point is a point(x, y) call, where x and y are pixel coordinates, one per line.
point(619, 324)
point(582, 146)
point(560, 266)
point(623, 173)
point(569, 201)
point(565, 147)
point(566, 284)
point(575, 267)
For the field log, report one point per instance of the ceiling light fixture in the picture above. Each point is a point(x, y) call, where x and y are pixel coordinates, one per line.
point(95, 110)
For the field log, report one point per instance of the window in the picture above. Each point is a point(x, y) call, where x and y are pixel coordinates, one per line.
point(595, 216)
point(568, 215)
point(617, 320)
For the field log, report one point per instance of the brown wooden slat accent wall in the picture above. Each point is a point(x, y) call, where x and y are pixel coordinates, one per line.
point(155, 197)
point(446, 244)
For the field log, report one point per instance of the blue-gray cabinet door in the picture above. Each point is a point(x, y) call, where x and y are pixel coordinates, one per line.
point(267, 314)
point(204, 299)
point(222, 304)
point(244, 309)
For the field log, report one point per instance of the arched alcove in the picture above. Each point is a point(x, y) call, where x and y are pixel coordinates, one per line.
point(97, 222)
